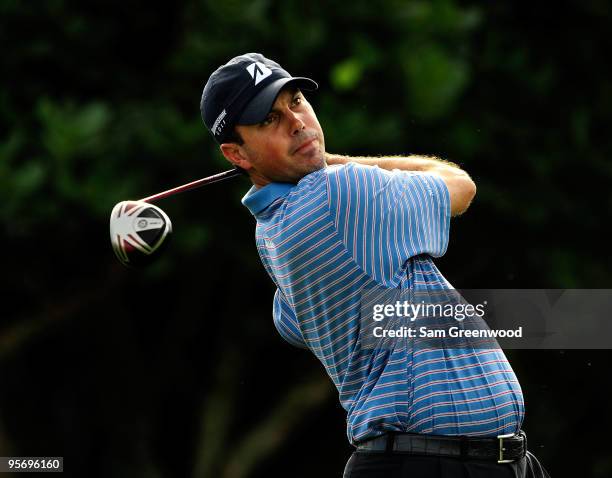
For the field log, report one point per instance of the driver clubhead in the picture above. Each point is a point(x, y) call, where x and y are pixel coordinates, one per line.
point(137, 231)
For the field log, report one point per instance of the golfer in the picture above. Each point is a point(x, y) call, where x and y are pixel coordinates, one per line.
point(328, 228)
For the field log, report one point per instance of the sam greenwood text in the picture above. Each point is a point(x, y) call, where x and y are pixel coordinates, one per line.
point(452, 332)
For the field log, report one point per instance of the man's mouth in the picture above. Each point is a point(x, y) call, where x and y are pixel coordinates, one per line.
point(305, 145)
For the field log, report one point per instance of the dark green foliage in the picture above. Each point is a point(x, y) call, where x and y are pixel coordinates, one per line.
point(143, 370)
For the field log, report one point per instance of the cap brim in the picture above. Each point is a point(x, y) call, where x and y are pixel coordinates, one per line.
point(259, 107)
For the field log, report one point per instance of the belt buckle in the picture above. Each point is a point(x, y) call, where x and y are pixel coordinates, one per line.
point(502, 449)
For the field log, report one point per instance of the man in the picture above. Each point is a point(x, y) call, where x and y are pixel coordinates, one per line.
point(328, 228)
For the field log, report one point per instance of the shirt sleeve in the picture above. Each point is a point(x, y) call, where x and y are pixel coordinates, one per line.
point(386, 217)
point(285, 321)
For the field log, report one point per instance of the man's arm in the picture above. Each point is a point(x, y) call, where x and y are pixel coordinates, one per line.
point(460, 186)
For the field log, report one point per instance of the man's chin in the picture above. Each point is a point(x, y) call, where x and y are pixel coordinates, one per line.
point(315, 165)
point(305, 168)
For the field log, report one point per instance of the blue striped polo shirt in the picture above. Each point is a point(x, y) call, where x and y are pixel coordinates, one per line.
point(346, 228)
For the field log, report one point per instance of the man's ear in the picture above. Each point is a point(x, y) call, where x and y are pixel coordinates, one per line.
point(236, 155)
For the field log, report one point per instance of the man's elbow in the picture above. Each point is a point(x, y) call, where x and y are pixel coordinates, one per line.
point(464, 198)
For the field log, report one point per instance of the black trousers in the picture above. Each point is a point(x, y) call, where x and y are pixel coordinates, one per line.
point(397, 465)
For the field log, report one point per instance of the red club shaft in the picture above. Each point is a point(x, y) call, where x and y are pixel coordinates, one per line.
point(215, 178)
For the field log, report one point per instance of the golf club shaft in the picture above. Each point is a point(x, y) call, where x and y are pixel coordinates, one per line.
point(195, 184)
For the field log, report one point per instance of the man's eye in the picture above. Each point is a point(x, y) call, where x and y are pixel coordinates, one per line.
point(297, 100)
point(269, 119)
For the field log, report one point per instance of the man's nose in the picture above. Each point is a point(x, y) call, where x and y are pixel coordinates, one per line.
point(296, 123)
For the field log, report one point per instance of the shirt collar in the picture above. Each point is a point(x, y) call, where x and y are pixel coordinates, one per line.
point(259, 199)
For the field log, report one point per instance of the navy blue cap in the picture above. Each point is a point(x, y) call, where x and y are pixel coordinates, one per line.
point(242, 92)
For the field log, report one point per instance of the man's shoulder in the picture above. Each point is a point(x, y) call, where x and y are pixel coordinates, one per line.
point(297, 219)
point(309, 195)
point(357, 173)
point(352, 180)
point(316, 191)
point(321, 181)
point(351, 167)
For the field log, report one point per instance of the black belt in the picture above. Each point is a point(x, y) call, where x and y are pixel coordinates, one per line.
point(503, 448)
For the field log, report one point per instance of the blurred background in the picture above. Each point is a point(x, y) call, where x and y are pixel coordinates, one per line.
point(177, 370)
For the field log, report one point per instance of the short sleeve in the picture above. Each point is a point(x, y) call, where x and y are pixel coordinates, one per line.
point(386, 217)
point(286, 322)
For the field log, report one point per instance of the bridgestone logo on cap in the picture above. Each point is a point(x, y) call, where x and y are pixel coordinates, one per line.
point(219, 123)
point(258, 71)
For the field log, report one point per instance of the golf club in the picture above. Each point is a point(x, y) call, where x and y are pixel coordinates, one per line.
point(138, 229)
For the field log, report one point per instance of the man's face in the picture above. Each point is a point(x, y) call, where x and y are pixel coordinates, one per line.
point(286, 146)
